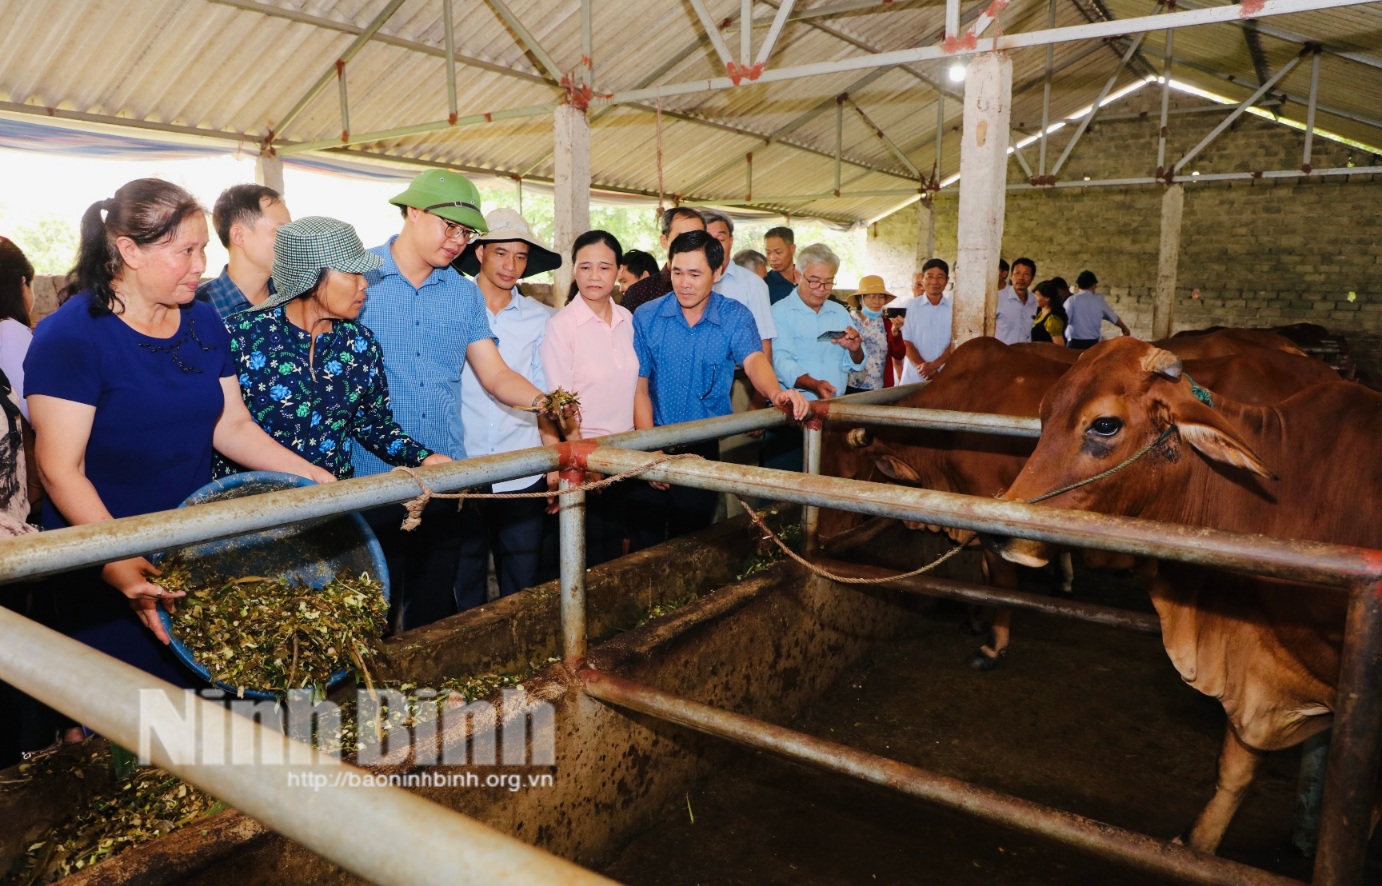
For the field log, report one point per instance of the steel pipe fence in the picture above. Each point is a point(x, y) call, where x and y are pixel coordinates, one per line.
point(1358, 719)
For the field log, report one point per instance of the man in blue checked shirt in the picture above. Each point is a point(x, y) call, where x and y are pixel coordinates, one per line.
point(431, 322)
point(509, 530)
point(688, 344)
point(247, 218)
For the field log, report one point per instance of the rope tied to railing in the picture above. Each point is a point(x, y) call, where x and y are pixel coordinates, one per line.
point(415, 506)
point(842, 579)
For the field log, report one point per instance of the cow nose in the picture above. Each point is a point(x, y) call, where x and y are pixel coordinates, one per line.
point(859, 438)
point(1022, 551)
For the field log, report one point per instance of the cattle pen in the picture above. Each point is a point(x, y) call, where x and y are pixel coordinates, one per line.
point(429, 843)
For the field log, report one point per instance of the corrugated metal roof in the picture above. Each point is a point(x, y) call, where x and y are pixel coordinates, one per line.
point(233, 69)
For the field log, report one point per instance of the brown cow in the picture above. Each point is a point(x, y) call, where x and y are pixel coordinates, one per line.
point(1305, 468)
point(985, 375)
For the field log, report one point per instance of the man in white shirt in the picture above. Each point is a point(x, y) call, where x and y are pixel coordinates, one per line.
point(509, 530)
point(739, 283)
point(927, 329)
point(1017, 307)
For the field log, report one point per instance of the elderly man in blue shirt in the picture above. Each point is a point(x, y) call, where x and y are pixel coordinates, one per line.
point(509, 530)
point(688, 344)
point(431, 323)
point(815, 349)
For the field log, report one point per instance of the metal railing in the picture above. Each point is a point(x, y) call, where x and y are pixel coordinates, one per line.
point(259, 792)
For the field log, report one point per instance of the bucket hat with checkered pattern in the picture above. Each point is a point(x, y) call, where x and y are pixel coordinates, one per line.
point(304, 248)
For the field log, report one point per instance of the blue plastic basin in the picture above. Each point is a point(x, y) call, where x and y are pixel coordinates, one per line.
point(313, 551)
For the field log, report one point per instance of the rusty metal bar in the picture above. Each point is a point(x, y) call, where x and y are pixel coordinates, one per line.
point(419, 128)
point(811, 464)
point(1120, 27)
point(381, 834)
point(883, 137)
point(1316, 562)
point(1085, 834)
point(1165, 101)
point(1046, 89)
point(526, 40)
point(355, 46)
point(988, 595)
point(46, 553)
point(774, 31)
point(936, 419)
point(452, 108)
point(1237, 112)
point(571, 529)
point(1351, 779)
point(1098, 103)
point(712, 32)
point(1311, 104)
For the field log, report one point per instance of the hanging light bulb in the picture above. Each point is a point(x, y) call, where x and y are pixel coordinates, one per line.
point(957, 71)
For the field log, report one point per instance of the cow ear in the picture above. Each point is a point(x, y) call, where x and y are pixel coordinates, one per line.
point(1159, 362)
point(897, 469)
point(1214, 438)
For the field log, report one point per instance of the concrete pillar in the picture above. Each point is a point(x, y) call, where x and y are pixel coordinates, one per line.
point(926, 232)
point(1164, 302)
point(983, 192)
point(268, 171)
point(572, 136)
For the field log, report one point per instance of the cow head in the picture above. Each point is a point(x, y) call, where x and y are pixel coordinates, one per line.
point(1120, 398)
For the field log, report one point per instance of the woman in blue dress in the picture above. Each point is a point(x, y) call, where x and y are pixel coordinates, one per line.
point(313, 377)
point(131, 386)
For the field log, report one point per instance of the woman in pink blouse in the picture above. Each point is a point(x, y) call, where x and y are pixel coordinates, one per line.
point(588, 350)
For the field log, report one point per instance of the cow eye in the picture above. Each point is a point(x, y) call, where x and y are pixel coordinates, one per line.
point(1106, 426)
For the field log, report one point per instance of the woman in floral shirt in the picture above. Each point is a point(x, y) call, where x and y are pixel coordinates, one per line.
point(882, 343)
point(311, 376)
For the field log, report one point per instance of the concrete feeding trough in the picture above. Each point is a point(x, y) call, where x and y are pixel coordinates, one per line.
point(766, 645)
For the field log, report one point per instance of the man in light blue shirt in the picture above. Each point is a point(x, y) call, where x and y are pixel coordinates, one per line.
point(1087, 311)
point(509, 530)
point(816, 344)
point(431, 323)
point(1017, 307)
point(815, 348)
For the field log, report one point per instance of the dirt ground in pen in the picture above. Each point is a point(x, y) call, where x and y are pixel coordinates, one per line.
point(1085, 718)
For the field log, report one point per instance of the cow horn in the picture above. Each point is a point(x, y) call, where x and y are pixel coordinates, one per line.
point(859, 438)
point(1160, 362)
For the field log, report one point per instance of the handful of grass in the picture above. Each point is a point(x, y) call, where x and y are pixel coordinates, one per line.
point(560, 403)
point(277, 634)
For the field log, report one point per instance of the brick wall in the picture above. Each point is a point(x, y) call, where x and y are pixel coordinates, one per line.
point(891, 250)
point(1260, 253)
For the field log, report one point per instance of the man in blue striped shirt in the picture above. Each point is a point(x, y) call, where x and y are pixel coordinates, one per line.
point(431, 322)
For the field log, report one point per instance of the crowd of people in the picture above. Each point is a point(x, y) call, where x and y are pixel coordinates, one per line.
point(313, 355)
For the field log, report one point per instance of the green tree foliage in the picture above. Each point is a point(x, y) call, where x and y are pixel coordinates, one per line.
point(49, 243)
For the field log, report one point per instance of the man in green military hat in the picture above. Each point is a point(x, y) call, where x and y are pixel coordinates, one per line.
point(431, 322)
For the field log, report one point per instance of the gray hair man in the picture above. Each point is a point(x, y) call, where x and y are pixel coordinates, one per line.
point(816, 347)
point(752, 260)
